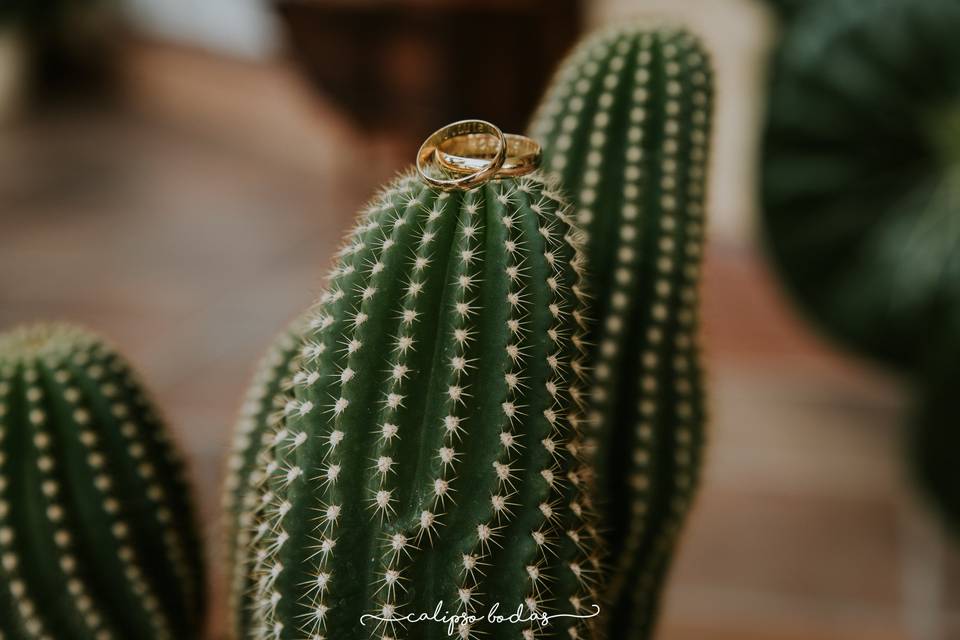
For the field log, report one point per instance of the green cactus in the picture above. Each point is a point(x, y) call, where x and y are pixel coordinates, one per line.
point(97, 535)
point(860, 171)
point(431, 451)
point(626, 126)
point(268, 393)
point(860, 177)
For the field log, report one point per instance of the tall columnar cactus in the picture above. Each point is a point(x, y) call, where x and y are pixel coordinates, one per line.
point(626, 126)
point(268, 394)
point(97, 535)
point(430, 455)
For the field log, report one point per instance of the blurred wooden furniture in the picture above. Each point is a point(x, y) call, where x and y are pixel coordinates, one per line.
point(405, 68)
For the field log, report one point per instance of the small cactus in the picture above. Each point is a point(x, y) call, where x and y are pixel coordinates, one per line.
point(430, 453)
point(262, 408)
point(97, 535)
point(626, 127)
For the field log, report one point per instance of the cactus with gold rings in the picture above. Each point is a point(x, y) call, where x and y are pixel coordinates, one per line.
point(97, 533)
point(626, 126)
point(430, 454)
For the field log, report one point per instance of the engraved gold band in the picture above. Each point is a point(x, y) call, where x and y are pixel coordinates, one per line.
point(468, 178)
point(469, 153)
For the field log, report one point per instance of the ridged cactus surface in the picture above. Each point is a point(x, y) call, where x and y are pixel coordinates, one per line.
point(431, 453)
point(626, 126)
point(97, 536)
point(269, 391)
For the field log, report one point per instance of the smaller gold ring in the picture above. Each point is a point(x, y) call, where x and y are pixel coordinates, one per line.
point(466, 154)
point(481, 172)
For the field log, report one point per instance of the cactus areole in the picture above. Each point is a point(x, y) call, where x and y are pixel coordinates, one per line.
point(97, 535)
point(426, 479)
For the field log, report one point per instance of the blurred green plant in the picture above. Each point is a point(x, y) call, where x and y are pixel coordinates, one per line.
point(862, 170)
point(861, 184)
point(98, 537)
point(626, 126)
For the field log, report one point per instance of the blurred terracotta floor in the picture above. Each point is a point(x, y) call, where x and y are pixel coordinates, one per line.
point(190, 247)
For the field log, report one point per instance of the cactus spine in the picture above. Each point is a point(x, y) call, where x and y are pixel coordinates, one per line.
point(431, 451)
point(626, 127)
point(262, 409)
point(97, 537)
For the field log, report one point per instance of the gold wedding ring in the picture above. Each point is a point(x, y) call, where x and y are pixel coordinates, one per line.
point(468, 154)
point(483, 134)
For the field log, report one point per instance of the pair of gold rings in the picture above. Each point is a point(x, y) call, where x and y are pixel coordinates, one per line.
point(468, 153)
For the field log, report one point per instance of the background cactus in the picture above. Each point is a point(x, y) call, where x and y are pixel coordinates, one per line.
point(859, 173)
point(626, 126)
point(431, 451)
point(859, 185)
point(262, 409)
point(97, 536)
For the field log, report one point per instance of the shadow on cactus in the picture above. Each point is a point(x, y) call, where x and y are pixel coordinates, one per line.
point(626, 127)
point(97, 534)
point(429, 452)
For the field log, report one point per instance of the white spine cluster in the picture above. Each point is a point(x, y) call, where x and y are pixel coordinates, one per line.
point(567, 390)
point(504, 468)
point(400, 547)
point(269, 534)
